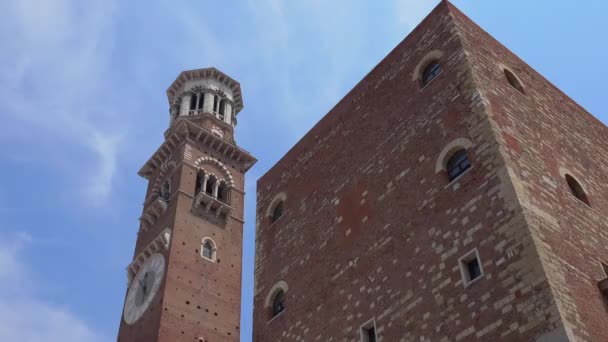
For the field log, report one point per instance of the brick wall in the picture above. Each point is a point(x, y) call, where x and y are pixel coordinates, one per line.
point(543, 134)
point(372, 231)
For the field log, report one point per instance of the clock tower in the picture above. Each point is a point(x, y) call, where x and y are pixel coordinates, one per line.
point(184, 282)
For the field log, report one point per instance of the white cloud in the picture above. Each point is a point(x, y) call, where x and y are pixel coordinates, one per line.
point(55, 76)
point(24, 317)
point(411, 12)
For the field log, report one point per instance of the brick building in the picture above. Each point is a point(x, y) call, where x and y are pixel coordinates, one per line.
point(454, 194)
point(184, 283)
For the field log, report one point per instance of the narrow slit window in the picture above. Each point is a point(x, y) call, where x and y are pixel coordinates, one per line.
point(577, 190)
point(457, 164)
point(431, 72)
point(215, 103)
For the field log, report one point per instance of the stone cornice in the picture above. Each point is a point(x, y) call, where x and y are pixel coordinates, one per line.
point(185, 130)
point(206, 73)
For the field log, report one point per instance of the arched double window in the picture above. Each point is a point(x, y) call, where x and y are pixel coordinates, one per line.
point(457, 164)
point(208, 249)
point(197, 102)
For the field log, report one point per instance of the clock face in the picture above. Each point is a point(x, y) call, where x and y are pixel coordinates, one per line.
point(143, 287)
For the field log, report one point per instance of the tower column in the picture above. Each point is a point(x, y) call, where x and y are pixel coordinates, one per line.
point(228, 113)
point(185, 107)
point(216, 186)
point(204, 183)
point(208, 105)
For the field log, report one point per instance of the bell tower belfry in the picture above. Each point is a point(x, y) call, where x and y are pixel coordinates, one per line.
point(184, 282)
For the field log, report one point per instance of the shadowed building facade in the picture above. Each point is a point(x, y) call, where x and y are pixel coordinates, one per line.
point(454, 194)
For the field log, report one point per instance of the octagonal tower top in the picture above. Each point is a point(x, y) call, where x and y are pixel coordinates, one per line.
point(203, 92)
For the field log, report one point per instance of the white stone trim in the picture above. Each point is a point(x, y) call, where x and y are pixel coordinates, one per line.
point(466, 280)
point(429, 57)
point(210, 160)
point(281, 285)
point(280, 197)
point(448, 150)
point(214, 251)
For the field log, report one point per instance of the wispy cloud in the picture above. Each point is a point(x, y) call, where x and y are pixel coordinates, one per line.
point(55, 78)
point(25, 317)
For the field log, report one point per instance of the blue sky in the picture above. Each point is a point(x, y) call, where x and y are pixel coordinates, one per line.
point(82, 107)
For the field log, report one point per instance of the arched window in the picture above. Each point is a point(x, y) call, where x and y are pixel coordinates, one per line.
point(222, 192)
point(215, 103)
point(458, 164)
point(200, 180)
point(577, 189)
point(222, 109)
point(278, 303)
point(210, 185)
point(208, 249)
point(277, 212)
point(514, 81)
point(432, 70)
point(201, 100)
point(193, 102)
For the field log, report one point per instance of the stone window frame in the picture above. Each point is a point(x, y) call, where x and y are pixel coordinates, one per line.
point(365, 327)
point(464, 272)
point(278, 198)
point(447, 152)
point(430, 57)
point(512, 78)
point(269, 300)
point(214, 250)
point(564, 173)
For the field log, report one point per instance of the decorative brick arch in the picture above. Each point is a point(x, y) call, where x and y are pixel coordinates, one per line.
point(429, 57)
point(448, 150)
point(209, 160)
point(280, 286)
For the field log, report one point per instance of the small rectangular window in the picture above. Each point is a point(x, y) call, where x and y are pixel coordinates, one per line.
point(605, 267)
point(368, 331)
point(470, 267)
